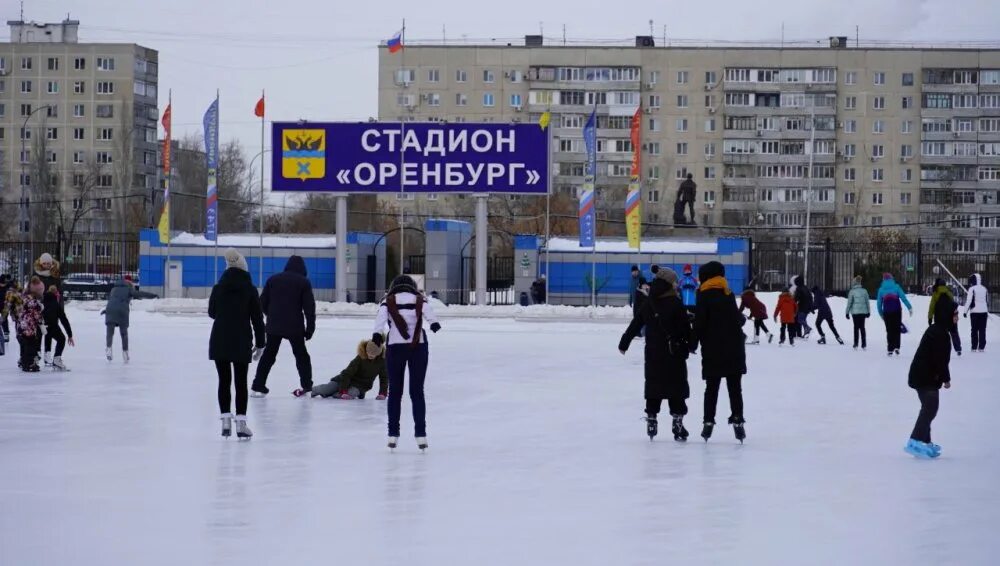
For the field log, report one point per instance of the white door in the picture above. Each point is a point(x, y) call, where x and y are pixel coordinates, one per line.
point(175, 277)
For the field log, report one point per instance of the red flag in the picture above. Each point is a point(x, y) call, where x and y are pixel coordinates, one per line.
point(258, 110)
point(166, 140)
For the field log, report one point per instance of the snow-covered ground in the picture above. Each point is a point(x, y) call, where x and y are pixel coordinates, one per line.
point(538, 456)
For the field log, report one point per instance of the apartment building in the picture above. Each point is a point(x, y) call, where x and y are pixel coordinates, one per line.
point(95, 106)
point(885, 137)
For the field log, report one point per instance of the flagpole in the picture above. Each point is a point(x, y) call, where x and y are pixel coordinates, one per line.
point(260, 219)
point(593, 255)
point(548, 210)
point(166, 201)
point(402, 159)
point(218, 123)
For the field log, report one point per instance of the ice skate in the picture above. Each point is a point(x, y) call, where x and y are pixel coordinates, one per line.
point(227, 425)
point(896, 351)
point(125, 356)
point(840, 340)
point(260, 394)
point(821, 340)
point(918, 449)
point(706, 430)
point(680, 433)
point(935, 449)
point(422, 443)
point(243, 432)
point(889, 353)
point(738, 428)
point(58, 365)
point(770, 338)
point(108, 354)
point(393, 441)
point(48, 359)
point(301, 392)
point(652, 427)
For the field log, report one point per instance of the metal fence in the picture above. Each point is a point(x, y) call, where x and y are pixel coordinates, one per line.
point(499, 280)
point(833, 266)
point(85, 262)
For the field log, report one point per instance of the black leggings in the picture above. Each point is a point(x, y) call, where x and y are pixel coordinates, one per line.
point(712, 385)
point(859, 329)
point(893, 329)
point(828, 320)
point(55, 334)
point(225, 370)
point(928, 410)
point(758, 325)
point(789, 328)
point(678, 407)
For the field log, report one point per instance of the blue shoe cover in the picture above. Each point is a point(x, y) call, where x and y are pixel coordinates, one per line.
point(918, 449)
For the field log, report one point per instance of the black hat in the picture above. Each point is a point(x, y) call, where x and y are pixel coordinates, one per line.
point(659, 287)
point(654, 268)
point(710, 270)
point(403, 284)
point(939, 282)
point(944, 310)
point(634, 268)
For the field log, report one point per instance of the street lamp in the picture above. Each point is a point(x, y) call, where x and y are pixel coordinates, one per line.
point(809, 190)
point(25, 210)
point(260, 219)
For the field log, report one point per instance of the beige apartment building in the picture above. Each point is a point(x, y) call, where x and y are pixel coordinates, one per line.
point(95, 105)
point(896, 137)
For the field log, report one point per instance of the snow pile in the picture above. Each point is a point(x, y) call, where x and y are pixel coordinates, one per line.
point(648, 246)
point(253, 241)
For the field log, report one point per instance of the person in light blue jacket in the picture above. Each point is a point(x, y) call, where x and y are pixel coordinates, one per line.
point(859, 309)
point(890, 301)
point(689, 288)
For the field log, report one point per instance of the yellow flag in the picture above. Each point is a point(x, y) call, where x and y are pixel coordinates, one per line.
point(164, 226)
point(544, 120)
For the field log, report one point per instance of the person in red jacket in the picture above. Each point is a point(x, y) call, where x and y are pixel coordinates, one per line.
point(786, 310)
point(758, 312)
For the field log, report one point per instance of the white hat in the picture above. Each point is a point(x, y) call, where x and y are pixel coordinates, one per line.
point(45, 258)
point(234, 259)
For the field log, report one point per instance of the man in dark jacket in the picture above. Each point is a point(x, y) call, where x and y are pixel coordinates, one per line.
point(636, 294)
point(718, 325)
point(804, 301)
point(928, 373)
point(288, 304)
point(538, 291)
point(686, 194)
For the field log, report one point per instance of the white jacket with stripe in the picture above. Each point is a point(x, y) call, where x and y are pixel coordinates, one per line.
point(407, 305)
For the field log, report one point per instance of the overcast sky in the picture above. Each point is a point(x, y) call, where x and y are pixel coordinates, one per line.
point(317, 58)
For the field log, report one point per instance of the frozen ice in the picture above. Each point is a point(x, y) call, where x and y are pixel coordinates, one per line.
point(537, 456)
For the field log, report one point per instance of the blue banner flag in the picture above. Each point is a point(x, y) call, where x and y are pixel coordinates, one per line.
point(211, 123)
point(587, 220)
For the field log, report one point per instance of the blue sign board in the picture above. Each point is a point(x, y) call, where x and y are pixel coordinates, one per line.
point(410, 157)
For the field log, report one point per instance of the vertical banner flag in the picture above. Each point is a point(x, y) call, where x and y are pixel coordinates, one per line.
point(211, 123)
point(164, 226)
point(587, 214)
point(633, 202)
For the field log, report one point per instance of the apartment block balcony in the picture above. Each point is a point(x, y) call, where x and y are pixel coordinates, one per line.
point(949, 88)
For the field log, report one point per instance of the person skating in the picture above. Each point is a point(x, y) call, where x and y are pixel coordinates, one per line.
point(116, 315)
point(30, 324)
point(718, 326)
point(635, 290)
point(928, 373)
point(237, 331)
point(804, 301)
point(977, 304)
point(758, 312)
point(6, 284)
point(357, 379)
point(939, 290)
point(290, 309)
point(404, 311)
point(47, 270)
point(858, 310)
point(784, 313)
point(669, 338)
point(889, 302)
point(824, 314)
point(54, 314)
point(689, 288)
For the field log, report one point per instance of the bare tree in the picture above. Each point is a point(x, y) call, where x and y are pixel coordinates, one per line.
point(237, 205)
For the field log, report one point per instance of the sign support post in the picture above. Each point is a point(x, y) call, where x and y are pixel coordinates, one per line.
point(482, 244)
point(341, 268)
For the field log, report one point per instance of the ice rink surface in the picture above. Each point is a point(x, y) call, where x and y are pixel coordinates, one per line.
point(537, 456)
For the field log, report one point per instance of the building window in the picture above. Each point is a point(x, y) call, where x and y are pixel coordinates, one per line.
point(963, 245)
point(710, 172)
point(25, 63)
point(488, 76)
point(850, 174)
point(405, 76)
point(654, 77)
point(105, 63)
point(488, 99)
point(879, 78)
point(105, 111)
point(907, 102)
point(877, 199)
point(105, 87)
point(848, 221)
point(654, 148)
point(52, 87)
point(654, 125)
point(682, 125)
point(878, 103)
point(653, 196)
point(850, 126)
point(78, 158)
point(103, 157)
point(25, 87)
point(907, 79)
point(51, 133)
point(709, 150)
point(515, 101)
point(682, 148)
point(104, 181)
point(878, 127)
point(850, 149)
point(878, 175)
point(906, 127)
point(105, 134)
point(906, 175)
point(711, 78)
point(851, 78)
point(878, 150)
point(461, 76)
point(461, 99)
point(653, 172)
point(709, 197)
point(682, 77)
point(79, 87)
point(80, 63)
point(654, 101)
point(710, 125)
point(79, 134)
point(850, 103)
point(906, 151)
point(79, 111)
point(682, 101)
point(433, 75)
point(850, 198)
point(905, 199)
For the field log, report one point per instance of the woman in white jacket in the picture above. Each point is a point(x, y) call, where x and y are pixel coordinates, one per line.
point(977, 303)
point(405, 311)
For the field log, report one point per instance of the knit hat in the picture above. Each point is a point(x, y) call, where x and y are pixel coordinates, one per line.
point(659, 288)
point(668, 275)
point(938, 282)
point(886, 276)
point(634, 268)
point(36, 287)
point(857, 279)
point(45, 258)
point(234, 259)
point(710, 270)
point(688, 269)
point(373, 350)
point(127, 278)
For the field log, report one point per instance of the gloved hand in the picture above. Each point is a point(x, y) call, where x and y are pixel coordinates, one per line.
point(378, 339)
point(848, 317)
point(382, 395)
point(965, 315)
point(435, 327)
point(910, 311)
point(257, 353)
point(71, 341)
point(310, 330)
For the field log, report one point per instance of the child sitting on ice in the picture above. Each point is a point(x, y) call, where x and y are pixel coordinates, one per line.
point(359, 376)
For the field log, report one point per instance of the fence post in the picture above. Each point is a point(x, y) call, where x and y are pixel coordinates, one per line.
point(828, 266)
point(920, 262)
point(59, 243)
point(752, 275)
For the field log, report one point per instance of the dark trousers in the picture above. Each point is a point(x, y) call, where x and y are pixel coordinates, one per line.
point(893, 329)
point(30, 346)
point(829, 320)
point(859, 329)
point(55, 334)
point(303, 363)
point(678, 407)
point(690, 205)
point(978, 330)
point(789, 328)
point(227, 372)
point(6, 328)
point(802, 321)
point(928, 410)
point(956, 340)
point(399, 357)
point(733, 384)
point(758, 325)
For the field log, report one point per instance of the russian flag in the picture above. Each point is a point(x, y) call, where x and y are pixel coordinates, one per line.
point(395, 43)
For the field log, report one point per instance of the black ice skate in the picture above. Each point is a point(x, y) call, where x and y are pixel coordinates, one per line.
point(840, 341)
point(706, 430)
point(422, 443)
point(652, 427)
point(680, 433)
point(393, 441)
point(738, 428)
point(821, 340)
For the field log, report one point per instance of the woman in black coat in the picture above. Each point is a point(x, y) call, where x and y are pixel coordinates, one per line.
point(718, 325)
point(668, 342)
point(237, 330)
